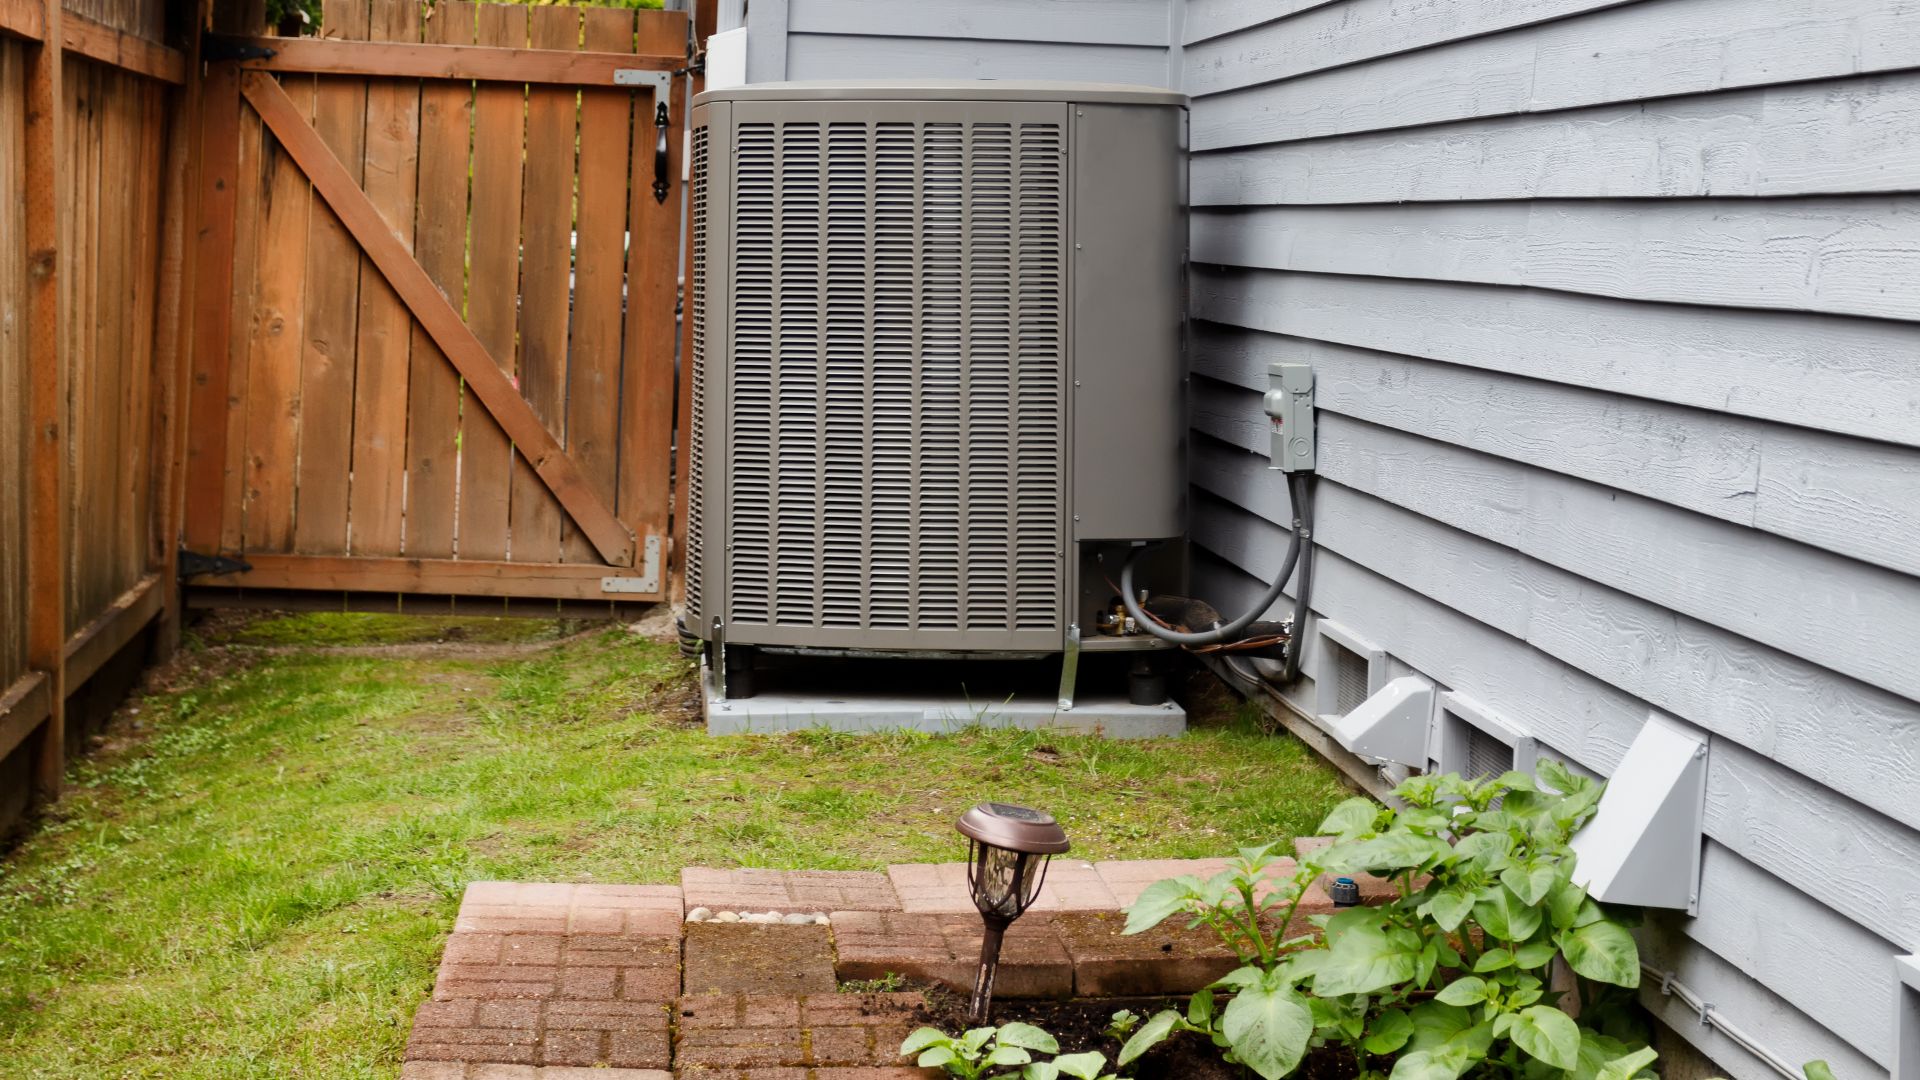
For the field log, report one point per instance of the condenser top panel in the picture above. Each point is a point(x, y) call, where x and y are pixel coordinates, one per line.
point(947, 90)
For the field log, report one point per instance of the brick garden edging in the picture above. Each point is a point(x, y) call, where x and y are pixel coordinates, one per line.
point(608, 982)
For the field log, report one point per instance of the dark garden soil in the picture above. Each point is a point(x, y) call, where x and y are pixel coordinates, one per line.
point(1082, 1025)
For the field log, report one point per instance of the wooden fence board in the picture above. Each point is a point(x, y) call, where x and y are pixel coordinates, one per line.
point(14, 421)
point(546, 285)
point(646, 436)
point(480, 301)
point(444, 577)
point(95, 642)
point(243, 238)
point(207, 500)
point(593, 371)
point(129, 51)
point(143, 18)
point(440, 245)
point(499, 131)
point(273, 355)
point(24, 704)
point(375, 506)
point(174, 297)
point(491, 61)
point(332, 310)
point(46, 390)
point(493, 389)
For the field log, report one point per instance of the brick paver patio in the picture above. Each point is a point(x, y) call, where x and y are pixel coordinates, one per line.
point(608, 982)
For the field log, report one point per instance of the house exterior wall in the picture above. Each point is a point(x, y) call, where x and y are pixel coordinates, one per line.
point(1118, 41)
point(1615, 315)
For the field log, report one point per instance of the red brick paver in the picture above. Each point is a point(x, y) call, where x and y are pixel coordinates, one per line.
point(787, 891)
point(945, 949)
point(823, 1031)
point(539, 908)
point(605, 982)
point(1168, 959)
point(588, 967)
point(1127, 880)
point(743, 958)
point(786, 1073)
point(585, 1033)
point(454, 1070)
point(941, 888)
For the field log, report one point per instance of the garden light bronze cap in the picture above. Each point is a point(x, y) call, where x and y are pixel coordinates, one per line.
point(1014, 828)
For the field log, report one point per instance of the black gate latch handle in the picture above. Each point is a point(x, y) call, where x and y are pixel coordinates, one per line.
point(660, 121)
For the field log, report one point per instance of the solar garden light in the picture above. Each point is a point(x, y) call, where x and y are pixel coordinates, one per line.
point(1008, 849)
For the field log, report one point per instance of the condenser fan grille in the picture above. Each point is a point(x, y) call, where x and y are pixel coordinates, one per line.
point(896, 402)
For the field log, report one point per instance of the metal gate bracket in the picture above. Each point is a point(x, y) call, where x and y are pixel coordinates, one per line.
point(649, 579)
point(659, 80)
point(192, 564)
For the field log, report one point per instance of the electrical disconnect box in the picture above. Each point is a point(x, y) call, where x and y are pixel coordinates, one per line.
point(1290, 405)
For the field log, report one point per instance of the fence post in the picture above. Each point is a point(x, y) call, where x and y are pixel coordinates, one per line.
point(46, 395)
point(173, 334)
point(217, 157)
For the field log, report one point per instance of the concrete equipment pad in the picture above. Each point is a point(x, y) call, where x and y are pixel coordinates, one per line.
point(851, 709)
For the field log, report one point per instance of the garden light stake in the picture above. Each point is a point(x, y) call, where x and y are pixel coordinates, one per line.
point(1009, 848)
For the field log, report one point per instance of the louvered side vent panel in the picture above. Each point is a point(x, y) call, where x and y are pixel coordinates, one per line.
point(1485, 754)
point(897, 418)
point(697, 420)
point(751, 425)
point(1039, 410)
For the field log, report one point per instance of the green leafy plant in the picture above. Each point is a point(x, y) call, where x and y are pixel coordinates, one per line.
point(1451, 974)
point(1005, 1051)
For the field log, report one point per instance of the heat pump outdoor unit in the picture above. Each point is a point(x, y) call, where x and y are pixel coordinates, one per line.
point(937, 373)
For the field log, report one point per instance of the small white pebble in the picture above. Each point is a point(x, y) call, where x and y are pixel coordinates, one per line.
point(797, 919)
point(821, 919)
point(727, 916)
point(699, 914)
point(773, 916)
point(757, 918)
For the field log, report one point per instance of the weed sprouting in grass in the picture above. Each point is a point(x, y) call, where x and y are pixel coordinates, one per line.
point(259, 882)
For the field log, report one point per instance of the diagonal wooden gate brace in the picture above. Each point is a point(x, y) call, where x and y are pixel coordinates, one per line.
point(497, 394)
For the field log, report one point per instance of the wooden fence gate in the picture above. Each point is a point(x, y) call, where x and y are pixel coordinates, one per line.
point(434, 326)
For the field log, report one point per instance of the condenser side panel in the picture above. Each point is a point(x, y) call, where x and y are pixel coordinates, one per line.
point(1129, 303)
point(709, 285)
point(897, 407)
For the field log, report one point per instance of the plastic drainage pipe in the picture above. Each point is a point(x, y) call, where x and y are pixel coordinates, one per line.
point(1301, 541)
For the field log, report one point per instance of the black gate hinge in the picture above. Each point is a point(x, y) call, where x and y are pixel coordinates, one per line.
point(216, 47)
point(192, 564)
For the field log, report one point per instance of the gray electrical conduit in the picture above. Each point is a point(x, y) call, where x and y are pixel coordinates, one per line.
point(1710, 1017)
point(1299, 551)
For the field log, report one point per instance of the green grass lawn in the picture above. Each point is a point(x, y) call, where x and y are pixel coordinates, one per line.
point(256, 881)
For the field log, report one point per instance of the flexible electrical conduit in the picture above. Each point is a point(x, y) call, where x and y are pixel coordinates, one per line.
point(1710, 1017)
point(1299, 551)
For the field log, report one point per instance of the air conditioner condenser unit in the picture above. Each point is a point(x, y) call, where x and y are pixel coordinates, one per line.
point(938, 385)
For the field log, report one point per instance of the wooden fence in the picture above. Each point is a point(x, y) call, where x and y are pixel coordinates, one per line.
point(91, 159)
point(444, 366)
point(389, 313)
